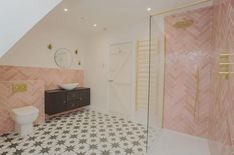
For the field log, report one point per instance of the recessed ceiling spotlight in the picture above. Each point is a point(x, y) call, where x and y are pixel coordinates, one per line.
point(94, 25)
point(149, 9)
point(65, 9)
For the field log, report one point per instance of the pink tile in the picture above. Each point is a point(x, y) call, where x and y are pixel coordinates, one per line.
point(187, 75)
point(38, 80)
point(211, 114)
point(9, 100)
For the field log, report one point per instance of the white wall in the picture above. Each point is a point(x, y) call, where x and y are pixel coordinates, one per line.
point(32, 49)
point(18, 17)
point(96, 69)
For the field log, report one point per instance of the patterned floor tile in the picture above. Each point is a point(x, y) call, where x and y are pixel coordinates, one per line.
point(79, 133)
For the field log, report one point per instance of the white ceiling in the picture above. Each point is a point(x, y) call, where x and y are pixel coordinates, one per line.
point(110, 14)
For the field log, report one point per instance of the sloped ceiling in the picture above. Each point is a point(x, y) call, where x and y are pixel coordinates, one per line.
point(18, 17)
point(107, 14)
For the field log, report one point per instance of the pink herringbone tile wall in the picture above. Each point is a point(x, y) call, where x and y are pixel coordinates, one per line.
point(34, 96)
point(221, 126)
point(38, 80)
point(187, 72)
point(51, 77)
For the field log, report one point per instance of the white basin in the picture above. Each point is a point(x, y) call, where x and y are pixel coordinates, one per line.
point(69, 86)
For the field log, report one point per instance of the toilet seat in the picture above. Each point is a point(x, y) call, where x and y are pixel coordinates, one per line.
point(28, 110)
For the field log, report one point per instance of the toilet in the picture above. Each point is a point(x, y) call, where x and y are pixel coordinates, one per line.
point(24, 118)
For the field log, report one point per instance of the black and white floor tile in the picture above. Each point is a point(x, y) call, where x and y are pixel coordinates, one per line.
point(79, 133)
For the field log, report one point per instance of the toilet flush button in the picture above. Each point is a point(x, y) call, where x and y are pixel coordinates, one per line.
point(19, 87)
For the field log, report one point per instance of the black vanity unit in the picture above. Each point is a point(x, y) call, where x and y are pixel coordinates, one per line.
point(59, 100)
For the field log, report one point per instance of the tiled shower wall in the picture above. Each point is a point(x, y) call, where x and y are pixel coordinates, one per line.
point(221, 126)
point(198, 100)
point(37, 80)
point(187, 72)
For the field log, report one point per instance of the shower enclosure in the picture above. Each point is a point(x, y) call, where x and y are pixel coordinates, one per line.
point(190, 73)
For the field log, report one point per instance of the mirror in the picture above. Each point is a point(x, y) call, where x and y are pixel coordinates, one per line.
point(63, 58)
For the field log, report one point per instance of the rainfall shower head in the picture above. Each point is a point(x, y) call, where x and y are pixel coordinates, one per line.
point(183, 24)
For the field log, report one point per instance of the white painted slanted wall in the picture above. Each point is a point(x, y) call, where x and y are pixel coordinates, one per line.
point(17, 17)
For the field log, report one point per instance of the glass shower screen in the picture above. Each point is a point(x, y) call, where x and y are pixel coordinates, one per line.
point(156, 80)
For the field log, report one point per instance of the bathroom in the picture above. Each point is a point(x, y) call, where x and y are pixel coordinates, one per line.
point(149, 77)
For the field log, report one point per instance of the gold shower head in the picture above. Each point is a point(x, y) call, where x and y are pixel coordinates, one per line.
point(183, 24)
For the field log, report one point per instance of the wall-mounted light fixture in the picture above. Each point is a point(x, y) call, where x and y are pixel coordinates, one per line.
point(50, 46)
point(79, 62)
point(76, 52)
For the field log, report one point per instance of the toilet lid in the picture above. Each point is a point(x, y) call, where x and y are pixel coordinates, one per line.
point(25, 110)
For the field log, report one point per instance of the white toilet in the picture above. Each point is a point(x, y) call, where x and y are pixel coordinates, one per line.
point(24, 118)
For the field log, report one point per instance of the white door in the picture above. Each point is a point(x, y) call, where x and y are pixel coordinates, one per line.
point(121, 79)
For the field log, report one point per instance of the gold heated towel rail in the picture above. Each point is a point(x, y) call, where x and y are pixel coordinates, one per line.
point(142, 70)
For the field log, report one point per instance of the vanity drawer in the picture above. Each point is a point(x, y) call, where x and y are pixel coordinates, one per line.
point(84, 94)
point(72, 104)
point(73, 95)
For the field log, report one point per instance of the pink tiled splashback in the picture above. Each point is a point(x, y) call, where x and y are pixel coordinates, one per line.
point(34, 96)
point(51, 77)
point(37, 80)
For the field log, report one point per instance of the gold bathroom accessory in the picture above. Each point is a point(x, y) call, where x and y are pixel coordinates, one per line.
point(76, 52)
point(19, 87)
point(142, 76)
point(50, 46)
point(183, 24)
point(226, 54)
point(224, 64)
point(226, 72)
